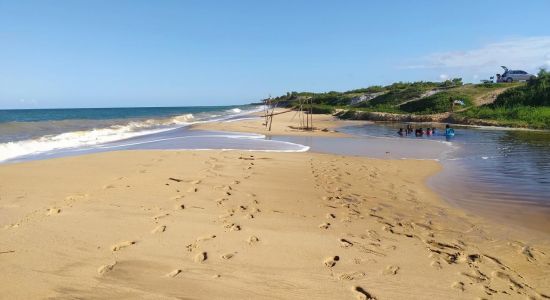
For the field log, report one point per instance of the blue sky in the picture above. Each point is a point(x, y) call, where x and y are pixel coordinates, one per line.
point(179, 53)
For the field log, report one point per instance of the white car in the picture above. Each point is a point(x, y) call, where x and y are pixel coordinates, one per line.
point(514, 75)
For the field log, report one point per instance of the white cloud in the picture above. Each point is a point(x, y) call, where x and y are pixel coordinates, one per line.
point(443, 76)
point(528, 53)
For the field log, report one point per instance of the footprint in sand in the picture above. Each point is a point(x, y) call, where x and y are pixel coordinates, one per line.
point(362, 294)
point(201, 257)
point(179, 206)
point(331, 216)
point(122, 245)
point(253, 240)
point(391, 270)
point(106, 268)
point(351, 276)
point(158, 217)
point(159, 229)
point(458, 285)
point(53, 211)
point(206, 238)
point(233, 227)
point(436, 265)
point(178, 197)
point(193, 190)
point(331, 261)
point(228, 256)
point(324, 226)
point(174, 273)
point(345, 243)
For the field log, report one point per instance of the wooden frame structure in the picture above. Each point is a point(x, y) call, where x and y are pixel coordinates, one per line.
point(304, 112)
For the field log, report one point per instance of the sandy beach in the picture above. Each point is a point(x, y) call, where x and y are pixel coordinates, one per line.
point(250, 225)
point(283, 124)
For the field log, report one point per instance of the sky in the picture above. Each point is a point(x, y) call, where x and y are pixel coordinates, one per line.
point(133, 53)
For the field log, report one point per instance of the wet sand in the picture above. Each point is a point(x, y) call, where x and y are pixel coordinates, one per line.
point(251, 225)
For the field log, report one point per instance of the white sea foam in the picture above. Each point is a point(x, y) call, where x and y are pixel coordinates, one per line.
point(98, 136)
point(95, 136)
point(73, 139)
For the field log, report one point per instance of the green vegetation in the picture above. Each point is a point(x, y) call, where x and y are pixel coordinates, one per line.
point(535, 93)
point(322, 109)
point(523, 106)
point(396, 96)
point(517, 104)
point(437, 103)
point(518, 116)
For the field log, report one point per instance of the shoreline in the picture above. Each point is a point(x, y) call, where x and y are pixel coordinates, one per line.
point(244, 224)
point(333, 123)
point(440, 118)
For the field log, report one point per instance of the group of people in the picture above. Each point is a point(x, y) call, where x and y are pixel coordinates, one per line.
point(421, 132)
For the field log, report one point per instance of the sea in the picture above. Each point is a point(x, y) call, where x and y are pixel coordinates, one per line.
point(46, 133)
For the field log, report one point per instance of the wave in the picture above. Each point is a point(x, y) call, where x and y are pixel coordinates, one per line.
point(42, 137)
point(72, 139)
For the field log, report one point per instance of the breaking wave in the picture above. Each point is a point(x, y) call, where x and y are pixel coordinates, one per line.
point(29, 138)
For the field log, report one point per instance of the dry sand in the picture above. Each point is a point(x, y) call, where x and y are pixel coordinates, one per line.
point(283, 124)
point(245, 225)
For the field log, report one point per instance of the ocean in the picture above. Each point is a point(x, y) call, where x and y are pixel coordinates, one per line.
point(45, 133)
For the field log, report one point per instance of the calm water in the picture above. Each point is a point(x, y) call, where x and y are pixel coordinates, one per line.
point(501, 173)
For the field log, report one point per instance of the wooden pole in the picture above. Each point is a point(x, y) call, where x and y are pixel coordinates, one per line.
point(311, 112)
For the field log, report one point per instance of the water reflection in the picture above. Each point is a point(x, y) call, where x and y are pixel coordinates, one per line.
point(505, 173)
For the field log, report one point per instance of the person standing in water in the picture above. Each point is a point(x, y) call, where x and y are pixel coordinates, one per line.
point(409, 129)
point(449, 131)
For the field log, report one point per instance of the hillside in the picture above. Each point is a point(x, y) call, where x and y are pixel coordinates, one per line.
point(523, 106)
point(506, 104)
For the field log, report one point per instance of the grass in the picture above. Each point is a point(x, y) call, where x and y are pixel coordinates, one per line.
point(535, 93)
point(522, 105)
point(396, 96)
point(518, 116)
point(437, 103)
